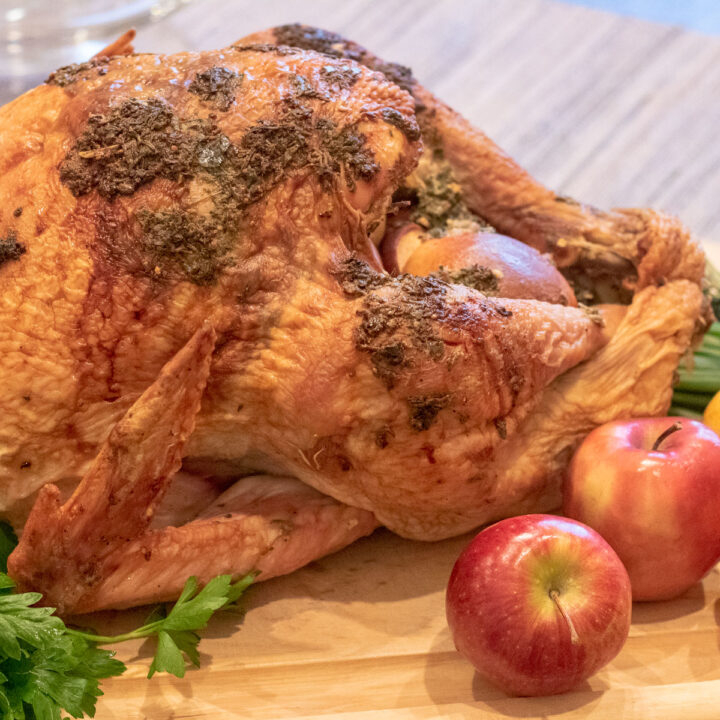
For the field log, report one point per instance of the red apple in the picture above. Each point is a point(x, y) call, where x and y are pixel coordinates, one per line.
point(654, 497)
point(538, 603)
point(521, 271)
point(400, 241)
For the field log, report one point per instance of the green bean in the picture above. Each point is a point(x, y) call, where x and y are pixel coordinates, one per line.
point(691, 400)
point(684, 412)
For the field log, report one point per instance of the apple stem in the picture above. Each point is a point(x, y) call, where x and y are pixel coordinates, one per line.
point(555, 597)
point(664, 435)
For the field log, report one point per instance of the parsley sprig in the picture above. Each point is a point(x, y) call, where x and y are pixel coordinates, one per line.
point(176, 630)
point(47, 668)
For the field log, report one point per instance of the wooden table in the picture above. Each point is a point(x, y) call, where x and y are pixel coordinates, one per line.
point(612, 110)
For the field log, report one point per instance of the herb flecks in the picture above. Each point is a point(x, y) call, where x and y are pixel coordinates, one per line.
point(302, 88)
point(10, 248)
point(348, 148)
point(398, 317)
point(424, 409)
point(183, 244)
point(265, 48)
point(357, 278)
point(217, 86)
point(334, 45)
point(407, 126)
point(438, 204)
point(477, 277)
point(135, 143)
point(339, 77)
point(310, 38)
point(69, 74)
point(139, 141)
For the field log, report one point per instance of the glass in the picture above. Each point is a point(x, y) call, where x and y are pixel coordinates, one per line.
point(38, 36)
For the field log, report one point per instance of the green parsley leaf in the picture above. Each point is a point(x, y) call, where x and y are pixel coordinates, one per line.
point(168, 657)
point(191, 612)
point(47, 668)
point(188, 641)
point(236, 590)
point(43, 669)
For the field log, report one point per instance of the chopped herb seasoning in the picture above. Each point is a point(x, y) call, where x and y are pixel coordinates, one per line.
point(139, 141)
point(340, 77)
point(310, 38)
point(388, 359)
point(301, 87)
point(135, 143)
point(216, 85)
point(424, 409)
point(595, 280)
point(347, 148)
point(10, 248)
point(182, 243)
point(438, 204)
point(357, 278)
point(475, 276)
point(265, 48)
point(408, 127)
point(501, 427)
point(69, 74)
point(398, 323)
point(334, 45)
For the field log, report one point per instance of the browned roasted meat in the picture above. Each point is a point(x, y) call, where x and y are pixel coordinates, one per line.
point(245, 190)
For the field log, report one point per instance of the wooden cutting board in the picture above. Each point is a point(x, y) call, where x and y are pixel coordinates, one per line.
point(612, 110)
point(362, 634)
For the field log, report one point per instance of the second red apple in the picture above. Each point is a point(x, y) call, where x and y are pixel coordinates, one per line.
point(651, 488)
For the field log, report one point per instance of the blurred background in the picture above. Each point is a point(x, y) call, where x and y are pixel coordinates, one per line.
point(702, 15)
point(613, 101)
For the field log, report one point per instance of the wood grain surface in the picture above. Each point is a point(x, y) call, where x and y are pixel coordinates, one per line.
point(362, 635)
point(615, 111)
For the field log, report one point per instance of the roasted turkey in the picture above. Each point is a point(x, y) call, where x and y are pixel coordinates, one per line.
point(191, 271)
